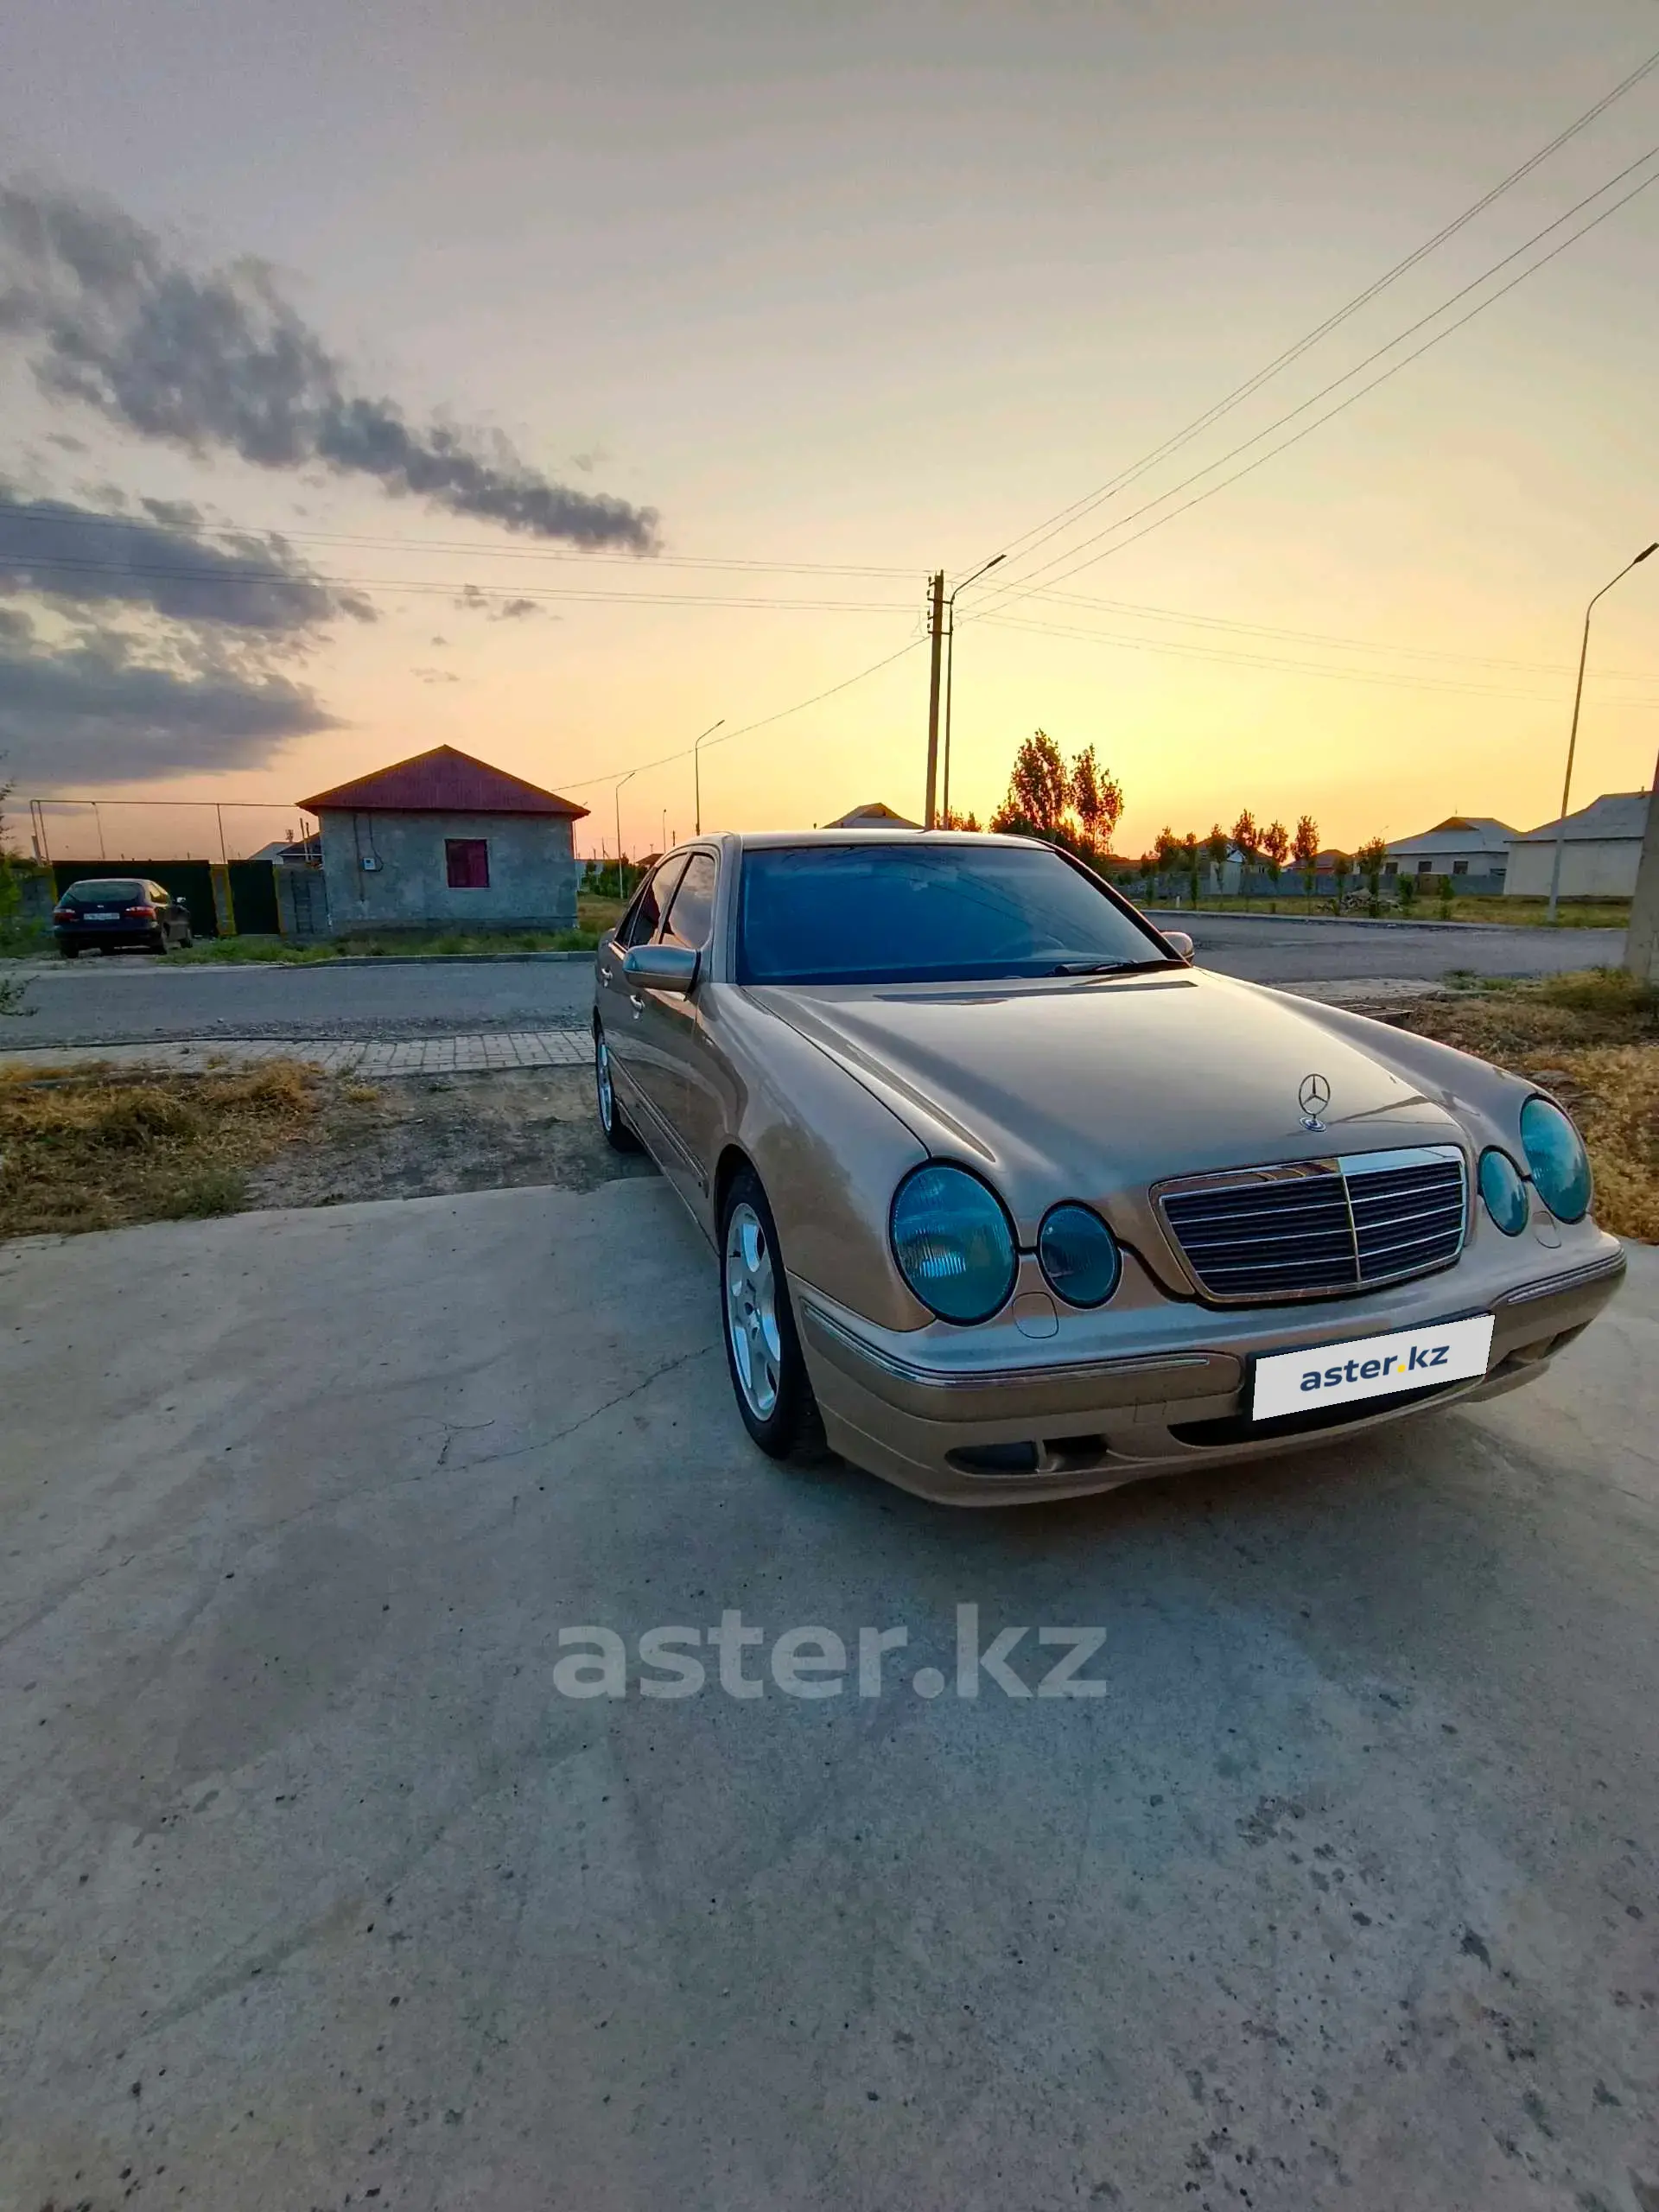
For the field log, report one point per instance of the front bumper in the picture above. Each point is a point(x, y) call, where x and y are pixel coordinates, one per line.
point(1162, 1384)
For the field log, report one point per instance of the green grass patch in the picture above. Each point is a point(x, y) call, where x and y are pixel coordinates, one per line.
point(475, 944)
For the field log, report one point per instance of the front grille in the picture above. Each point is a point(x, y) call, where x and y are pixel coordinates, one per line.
point(1319, 1228)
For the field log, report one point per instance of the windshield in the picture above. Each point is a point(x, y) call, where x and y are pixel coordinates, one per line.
point(928, 913)
point(104, 890)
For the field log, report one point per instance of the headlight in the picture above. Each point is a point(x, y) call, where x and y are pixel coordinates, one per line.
point(953, 1243)
point(1504, 1193)
point(1079, 1255)
point(1555, 1153)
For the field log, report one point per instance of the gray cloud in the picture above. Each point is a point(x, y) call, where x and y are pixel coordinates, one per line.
point(435, 676)
point(75, 557)
point(475, 601)
point(108, 317)
point(96, 711)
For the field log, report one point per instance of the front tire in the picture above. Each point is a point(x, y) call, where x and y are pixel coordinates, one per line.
point(763, 1349)
point(618, 1134)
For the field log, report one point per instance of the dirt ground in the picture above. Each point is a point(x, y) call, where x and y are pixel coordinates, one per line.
point(416, 1137)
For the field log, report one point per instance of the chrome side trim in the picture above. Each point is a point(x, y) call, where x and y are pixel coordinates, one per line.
point(1574, 1278)
point(994, 1378)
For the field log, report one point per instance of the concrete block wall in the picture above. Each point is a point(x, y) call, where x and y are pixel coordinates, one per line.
point(532, 872)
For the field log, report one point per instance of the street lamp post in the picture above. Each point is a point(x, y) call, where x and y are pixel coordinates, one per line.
point(617, 795)
point(951, 669)
point(696, 770)
point(1573, 738)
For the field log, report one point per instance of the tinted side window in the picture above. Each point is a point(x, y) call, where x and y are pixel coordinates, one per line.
point(640, 923)
point(691, 917)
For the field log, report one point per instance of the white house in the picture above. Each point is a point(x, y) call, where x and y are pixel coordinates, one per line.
point(1601, 850)
point(1474, 846)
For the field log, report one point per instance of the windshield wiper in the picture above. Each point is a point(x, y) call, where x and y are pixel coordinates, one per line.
point(1112, 967)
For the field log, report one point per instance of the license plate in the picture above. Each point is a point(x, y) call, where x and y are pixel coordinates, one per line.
point(101, 914)
point(1370, 1367)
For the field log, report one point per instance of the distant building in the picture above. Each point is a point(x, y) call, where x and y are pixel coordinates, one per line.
point(447, 840)
point(1601, 851)
point(1475, 846)
point(872, 817)
point(300, 852)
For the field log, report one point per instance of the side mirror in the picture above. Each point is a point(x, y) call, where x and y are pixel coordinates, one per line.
point(662, 968)
point(1178, 941)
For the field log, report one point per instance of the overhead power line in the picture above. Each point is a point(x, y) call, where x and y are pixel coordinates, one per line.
point(1024, 588)
point(1323, 638)
point(1393, 679)
point(27, 510)
point(747, 730)
point(1041, 532)
point(311, 579)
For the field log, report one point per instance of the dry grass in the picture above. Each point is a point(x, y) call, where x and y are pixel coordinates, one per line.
point(1593, 1041)
point(83, 1150)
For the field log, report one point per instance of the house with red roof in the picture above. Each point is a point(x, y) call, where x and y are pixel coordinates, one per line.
point(445, 841)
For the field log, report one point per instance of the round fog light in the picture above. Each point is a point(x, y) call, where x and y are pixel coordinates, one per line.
point(1079, 1255)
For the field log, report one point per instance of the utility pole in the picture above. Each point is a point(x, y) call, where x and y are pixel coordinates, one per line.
point(930, 818)
point(1642, 937)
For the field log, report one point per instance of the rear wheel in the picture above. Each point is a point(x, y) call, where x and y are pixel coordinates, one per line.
point(618, 1134)
point(763, 1351)
point(70, 951)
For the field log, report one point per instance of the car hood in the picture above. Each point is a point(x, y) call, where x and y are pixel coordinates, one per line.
point(1097, 1088)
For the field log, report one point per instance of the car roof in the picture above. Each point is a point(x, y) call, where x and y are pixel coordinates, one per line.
point(761, 840)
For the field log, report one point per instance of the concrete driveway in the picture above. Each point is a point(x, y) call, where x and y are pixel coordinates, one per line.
point(317, 1891)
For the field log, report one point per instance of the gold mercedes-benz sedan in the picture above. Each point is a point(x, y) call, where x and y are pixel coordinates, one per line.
point(1019, 1204)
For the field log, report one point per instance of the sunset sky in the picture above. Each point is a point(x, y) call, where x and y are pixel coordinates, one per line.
point(838, 295)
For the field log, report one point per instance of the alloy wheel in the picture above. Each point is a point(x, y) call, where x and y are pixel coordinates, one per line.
point(752, 1311)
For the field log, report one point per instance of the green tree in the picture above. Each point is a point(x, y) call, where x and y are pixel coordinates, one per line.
point(1217, 845)
point(1248, 838)
point(1305, 851)
point(953, 820)
point(1341, 869)
point(1168, 851)
point(1408, 890)
point(1369, 860)
point(1039, 791)
point(1098, 797)
point(1276, 844)
point(1191, 856)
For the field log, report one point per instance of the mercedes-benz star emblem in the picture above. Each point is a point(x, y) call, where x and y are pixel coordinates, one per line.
point(1313, 1097)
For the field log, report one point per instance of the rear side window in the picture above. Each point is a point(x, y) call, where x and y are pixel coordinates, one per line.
point(104, 890)
point(691, 917)
point(640, 924)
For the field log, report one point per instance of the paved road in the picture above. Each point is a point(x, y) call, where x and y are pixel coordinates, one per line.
point(1283, 950)
point(316, 1885)
point(133, 1001)
point(136, 1000)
